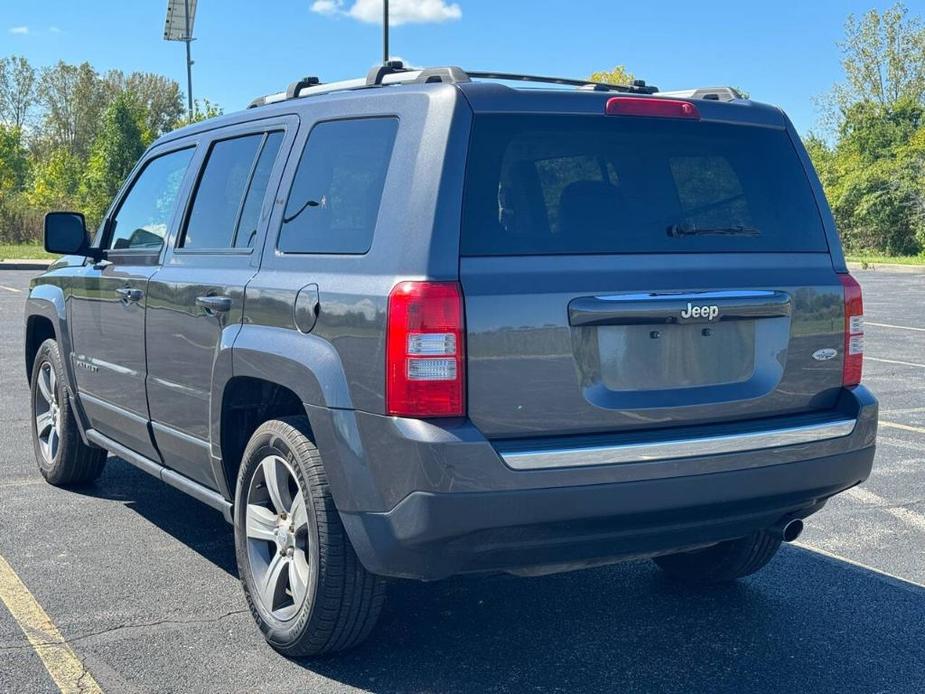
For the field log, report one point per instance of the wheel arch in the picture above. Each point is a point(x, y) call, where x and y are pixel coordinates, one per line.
point(45, 318)
point(270, 372)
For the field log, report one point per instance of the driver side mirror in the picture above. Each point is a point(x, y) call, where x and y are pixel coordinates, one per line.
point(66, 233)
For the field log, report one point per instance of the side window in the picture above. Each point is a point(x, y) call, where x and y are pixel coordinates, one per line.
point(144, 215)
point(337, 189)
point(253, 202)
point(232, 185)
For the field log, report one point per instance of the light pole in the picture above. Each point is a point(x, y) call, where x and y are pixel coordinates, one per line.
point(189, 59)
point(385, 31)
point(181, 14)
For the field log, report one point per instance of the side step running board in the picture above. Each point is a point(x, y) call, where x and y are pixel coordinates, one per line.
point(174, 479)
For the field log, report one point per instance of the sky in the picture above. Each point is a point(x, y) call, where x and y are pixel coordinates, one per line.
point(782, 52)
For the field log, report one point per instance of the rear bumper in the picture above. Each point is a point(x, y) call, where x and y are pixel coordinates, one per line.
point(431, 536)
point(427, 500)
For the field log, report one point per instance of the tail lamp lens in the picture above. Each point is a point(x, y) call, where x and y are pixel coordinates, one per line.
point(425, 350)
point(854, 332)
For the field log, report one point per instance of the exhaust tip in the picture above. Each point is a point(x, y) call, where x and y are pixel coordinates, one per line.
point(790, 530)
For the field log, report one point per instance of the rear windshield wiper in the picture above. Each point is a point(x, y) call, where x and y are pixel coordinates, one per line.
point(679, 230)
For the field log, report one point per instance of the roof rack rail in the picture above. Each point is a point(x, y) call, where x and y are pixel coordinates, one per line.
point(637, 87)
point(708, 93)
point(395, 72)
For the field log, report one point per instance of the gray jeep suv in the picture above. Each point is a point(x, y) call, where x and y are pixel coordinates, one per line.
point(423, 324)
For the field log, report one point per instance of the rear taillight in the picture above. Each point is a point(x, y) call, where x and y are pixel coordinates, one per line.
point(854, 332)
point(652, 106)
point(425, 351)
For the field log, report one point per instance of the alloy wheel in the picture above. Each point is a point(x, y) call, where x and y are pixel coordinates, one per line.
point(47, 412)
point(278, 538)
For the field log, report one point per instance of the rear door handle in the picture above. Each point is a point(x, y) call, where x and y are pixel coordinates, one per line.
point(214, 304)
point(129, 294)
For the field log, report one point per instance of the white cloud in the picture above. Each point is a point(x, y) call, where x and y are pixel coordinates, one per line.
point(400, 11)
point(54, 30)
point(327, 6)
point(19, 30)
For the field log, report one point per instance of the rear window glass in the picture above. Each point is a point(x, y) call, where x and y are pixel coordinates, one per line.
point(596, 184)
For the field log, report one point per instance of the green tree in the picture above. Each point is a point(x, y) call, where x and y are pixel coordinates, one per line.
point(873, 176)
point(159, 100)
point(74, 98)
point(202, 110)
point(56, 181)
point(117, 147)
point(872, 160)
point(883, 56)
point(618, 75)
point(17, 90)
point(16, 220)
point(14, 161)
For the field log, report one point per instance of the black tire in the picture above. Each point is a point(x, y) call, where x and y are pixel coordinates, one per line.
point(67, 461)
point(343, 600)
point(723, 562)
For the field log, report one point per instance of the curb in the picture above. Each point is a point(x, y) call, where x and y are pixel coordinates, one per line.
point(24, 264)
point(888, 267)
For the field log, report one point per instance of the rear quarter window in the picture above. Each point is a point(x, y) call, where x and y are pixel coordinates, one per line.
point(595, 185)
point(337, 189)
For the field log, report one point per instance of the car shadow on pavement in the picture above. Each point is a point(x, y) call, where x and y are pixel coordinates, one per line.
point(807, 622)
point(199, 527)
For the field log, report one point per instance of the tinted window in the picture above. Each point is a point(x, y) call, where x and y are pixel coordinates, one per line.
point(253, 202)
point(220, 192)
point(337, 189)
point(594, 184)
point(144, 217)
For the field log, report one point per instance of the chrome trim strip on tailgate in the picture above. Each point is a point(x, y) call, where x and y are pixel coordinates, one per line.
point(679, 448)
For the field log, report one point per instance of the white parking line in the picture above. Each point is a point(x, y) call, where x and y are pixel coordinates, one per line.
point(904, 427)
point(11, 289)
point(897, 327)
point(893, 361)
point(904, 582)
point(916, 520)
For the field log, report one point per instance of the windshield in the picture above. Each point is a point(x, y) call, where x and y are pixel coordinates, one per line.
point(594, 184)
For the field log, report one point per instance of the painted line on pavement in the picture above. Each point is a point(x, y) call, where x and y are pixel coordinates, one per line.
point(903, 427)
point(893, 578)
point(893, 361)
point(912, 518)
point(65, 668)
point(11, 289)
point(895, 327)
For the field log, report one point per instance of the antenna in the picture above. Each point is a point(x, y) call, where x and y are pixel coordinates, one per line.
point(385, 32)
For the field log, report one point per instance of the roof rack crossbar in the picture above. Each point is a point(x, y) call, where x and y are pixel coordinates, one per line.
point(292, 91)
point(378, 73)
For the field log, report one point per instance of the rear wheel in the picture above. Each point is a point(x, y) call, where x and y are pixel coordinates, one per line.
point(303, 582)
point(723, 562)
point(62, 456)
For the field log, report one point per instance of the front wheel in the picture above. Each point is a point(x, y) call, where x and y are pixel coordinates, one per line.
point(304, 584)
point(62, 456)
point(722, 562)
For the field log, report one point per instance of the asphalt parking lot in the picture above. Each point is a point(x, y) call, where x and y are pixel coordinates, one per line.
point(140, 580)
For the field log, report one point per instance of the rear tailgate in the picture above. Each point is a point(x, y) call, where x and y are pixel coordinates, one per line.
point(634, 272)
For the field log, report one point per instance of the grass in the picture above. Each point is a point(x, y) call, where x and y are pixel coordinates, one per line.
point(887, 259)
point(20, 251)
